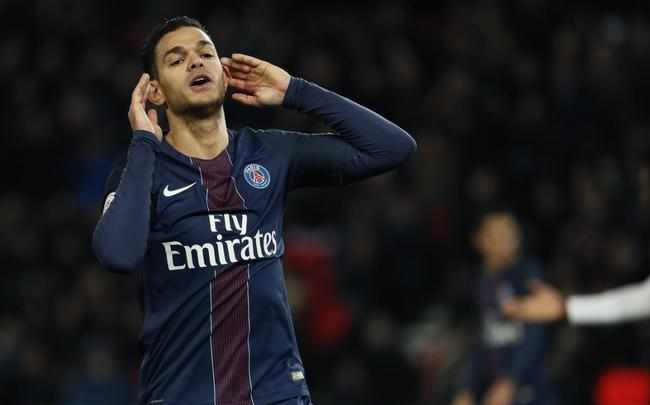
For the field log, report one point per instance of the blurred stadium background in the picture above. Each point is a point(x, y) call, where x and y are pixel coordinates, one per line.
point(539, 104)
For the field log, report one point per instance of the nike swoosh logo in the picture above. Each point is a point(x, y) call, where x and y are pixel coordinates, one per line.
point(170, 193)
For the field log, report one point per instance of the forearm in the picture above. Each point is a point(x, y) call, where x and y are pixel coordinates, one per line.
point(617, 305)
point(379, 144)
point(120, 237)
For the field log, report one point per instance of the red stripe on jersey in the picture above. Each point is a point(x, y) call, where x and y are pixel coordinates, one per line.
point(229, 289)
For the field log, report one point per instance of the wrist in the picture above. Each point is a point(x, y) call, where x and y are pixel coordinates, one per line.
point(283, 85)
point(145, 136)
point(292, 94)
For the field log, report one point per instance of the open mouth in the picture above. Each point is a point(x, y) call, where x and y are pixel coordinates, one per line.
point(200, 81)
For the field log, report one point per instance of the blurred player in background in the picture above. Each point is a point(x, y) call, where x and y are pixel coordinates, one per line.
point(506, 366)
point(199, 212)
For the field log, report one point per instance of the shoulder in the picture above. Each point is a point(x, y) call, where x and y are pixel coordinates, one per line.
point(267, 134)
point(530, 268)
point(266, 138)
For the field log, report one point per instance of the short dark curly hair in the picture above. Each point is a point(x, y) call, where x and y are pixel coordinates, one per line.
point(165, 27)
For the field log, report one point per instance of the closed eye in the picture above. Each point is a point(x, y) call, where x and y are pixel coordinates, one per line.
point(176, 62)
point(207, 55)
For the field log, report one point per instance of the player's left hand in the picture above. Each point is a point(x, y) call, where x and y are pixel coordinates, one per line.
point(258, 83)
point(502, 392)
point(545, 303)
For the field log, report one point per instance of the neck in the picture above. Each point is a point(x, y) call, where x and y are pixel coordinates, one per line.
point(497, 264)
point(200, 137)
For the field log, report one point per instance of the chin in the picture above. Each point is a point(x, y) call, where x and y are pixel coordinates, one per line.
point(206, 99)
point(204, 108)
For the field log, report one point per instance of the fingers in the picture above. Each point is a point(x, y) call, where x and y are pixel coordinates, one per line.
point(238, 75)
point(145, 97)
point(237, 66)
point(521, 309)
point(153, 116)
point(144, 89)
point(139, 117)
point(137, 97)
point(236, 70)
point(536, 285)
point(241, 62)
point(238, 83)
point(246, 59)
point(510, 308)
point(246, 99)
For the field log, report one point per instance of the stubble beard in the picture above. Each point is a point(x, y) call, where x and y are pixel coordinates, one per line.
point(207, 109)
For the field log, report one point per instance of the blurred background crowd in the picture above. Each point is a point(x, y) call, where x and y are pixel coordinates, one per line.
point(537, 105)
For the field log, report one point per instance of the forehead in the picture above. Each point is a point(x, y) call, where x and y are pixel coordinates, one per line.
point(185, 37)
point(499, 221)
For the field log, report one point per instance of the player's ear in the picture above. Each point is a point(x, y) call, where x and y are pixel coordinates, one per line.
point(156, 95)
point(226, 75)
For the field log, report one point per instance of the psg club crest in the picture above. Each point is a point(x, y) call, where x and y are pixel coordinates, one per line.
point(257, 176)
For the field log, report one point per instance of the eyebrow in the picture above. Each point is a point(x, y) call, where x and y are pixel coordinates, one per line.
point(180, 50)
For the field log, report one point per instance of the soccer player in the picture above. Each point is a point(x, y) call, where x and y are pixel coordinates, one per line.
point(506, 365)
point(199, 212)
point(546, 303)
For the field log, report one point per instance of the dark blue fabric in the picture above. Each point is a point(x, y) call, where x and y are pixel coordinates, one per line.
point(303, 400)
point(506, 348)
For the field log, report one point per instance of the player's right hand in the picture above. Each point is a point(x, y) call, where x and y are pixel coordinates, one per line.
point(139, 117)
point(545, 303)
point(259, 83)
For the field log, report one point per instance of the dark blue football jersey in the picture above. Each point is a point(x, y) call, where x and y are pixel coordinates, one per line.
point(505, 348)
point(207, 237)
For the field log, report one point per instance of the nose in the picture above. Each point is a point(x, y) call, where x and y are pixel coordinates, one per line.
point(195, 62)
